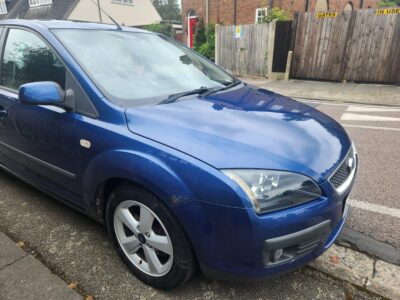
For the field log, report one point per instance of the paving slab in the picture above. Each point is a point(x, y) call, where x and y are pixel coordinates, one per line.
point(386, 277)
point(382, 94)
point(9, 252)
point(24, 277)
point(361, 270)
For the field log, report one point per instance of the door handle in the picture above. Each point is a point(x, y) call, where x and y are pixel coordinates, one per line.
point(3, 112)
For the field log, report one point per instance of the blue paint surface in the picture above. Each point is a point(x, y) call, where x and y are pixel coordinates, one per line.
point(176, 151)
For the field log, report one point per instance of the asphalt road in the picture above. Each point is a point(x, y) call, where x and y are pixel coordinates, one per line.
point(375, 196)
point(79, 250)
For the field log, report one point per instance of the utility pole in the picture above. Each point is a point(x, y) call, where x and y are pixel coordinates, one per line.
point(234, 11)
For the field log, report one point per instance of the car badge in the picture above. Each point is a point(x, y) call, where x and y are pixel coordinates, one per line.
point(350, 163)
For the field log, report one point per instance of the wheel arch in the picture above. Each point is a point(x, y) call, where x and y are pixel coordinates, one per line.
point(113, 168)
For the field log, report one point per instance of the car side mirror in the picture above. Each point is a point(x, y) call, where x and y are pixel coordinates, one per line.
point(46, 93)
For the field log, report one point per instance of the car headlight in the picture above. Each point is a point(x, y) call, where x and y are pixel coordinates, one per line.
point(271, 190)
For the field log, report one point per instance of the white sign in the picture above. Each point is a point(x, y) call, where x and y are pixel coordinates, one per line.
point(238, 32)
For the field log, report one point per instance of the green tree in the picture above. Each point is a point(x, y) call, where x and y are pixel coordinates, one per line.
point(276, 14)
point(208, 48)
point(168, 9)
point(388, 3)
point(199, 35)
point(204, 39)
point(29, 64)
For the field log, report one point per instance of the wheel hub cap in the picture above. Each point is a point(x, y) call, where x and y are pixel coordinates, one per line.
point(141, 238)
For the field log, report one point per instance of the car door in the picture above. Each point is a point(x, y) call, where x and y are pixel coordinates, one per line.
point(36, 142)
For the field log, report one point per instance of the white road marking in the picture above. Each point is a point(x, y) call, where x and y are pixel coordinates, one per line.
point(357, 117)
point(354, 108)
point(380, 209)
point(371, 127)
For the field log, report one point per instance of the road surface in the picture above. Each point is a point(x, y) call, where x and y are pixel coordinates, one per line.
point(375, 197)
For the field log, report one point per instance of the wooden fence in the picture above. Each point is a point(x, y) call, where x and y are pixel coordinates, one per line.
point(245, 51)
point(360, 45)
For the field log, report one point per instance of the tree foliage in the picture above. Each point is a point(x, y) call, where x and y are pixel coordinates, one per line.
point(163, 28)
point(208, 48)
point(168, 9)
point(388, 3)
point(30, 64)
point(276, 14)
point(204, 39)
point(199, 35)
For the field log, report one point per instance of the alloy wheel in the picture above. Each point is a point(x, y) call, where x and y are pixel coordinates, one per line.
point(143, 238)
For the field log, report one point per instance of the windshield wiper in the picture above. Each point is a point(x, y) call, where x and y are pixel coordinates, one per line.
point(174, 97)
point(212, 91)
point(203, 91)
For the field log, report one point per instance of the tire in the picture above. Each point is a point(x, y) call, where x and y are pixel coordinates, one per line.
point(140, 225)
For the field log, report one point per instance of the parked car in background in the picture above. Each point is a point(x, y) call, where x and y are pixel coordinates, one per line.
point(184, 164)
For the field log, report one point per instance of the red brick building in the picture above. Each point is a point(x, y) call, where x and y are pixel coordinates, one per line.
point(232, 12)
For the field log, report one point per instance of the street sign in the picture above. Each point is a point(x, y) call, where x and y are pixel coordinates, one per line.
point(326, 14)
point(238, 32)
point(388, 11)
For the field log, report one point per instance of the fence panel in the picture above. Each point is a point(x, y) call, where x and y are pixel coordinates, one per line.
point(358, 45)
point(244, 53)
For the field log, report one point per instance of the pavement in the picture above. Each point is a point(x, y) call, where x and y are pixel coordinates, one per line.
point(370, 273)
point(78, 252)
point(381, 94)
point(24, 277)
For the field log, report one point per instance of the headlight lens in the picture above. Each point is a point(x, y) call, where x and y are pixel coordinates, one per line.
point(271, 190)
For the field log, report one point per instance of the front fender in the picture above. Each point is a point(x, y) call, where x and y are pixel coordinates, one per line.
point(140, 168)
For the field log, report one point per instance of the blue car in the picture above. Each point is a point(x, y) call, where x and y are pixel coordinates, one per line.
point(185, 165)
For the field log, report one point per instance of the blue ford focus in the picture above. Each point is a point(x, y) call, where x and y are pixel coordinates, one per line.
point(185, 165)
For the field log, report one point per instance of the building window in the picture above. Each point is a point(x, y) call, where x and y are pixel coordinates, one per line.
point(261, 13)
point(3, 7)
point(128, 2)
point(34, 3)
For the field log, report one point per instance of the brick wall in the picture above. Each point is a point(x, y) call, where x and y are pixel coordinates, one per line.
point(222, 11)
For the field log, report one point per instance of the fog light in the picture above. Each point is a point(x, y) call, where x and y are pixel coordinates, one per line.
point(277, 255)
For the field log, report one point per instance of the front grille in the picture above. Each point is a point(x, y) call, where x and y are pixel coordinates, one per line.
point(307, 246)
point(344, 171)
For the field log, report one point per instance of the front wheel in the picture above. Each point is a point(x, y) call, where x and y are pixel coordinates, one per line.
point(148, 238)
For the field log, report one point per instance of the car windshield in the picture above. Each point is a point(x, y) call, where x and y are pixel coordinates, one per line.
point(135, 68)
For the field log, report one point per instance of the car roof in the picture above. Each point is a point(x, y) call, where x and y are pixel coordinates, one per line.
point(62, 24)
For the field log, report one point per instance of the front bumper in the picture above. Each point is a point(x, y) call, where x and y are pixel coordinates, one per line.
point(231, 241)
point(298, 249)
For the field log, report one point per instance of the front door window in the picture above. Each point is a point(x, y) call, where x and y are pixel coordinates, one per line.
point(28, 59)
